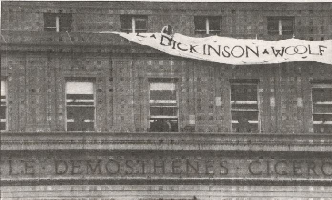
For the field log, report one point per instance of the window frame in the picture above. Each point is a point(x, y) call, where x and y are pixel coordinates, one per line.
point(133, 19)
point(320, 85)
point(245, 82)
point(164, 80)
point(281, 20)
point(58, 27)
point(207, 29)
point(93, 81)
point(5, 83)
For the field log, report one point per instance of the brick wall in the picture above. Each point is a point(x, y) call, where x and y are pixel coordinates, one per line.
point(36, 85)
point(37, 73)
point(240, 20)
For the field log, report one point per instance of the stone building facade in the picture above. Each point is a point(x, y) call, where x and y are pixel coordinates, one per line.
point(89, 115)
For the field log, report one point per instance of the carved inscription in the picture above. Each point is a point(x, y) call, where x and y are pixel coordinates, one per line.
point(299, 168)
point(130, 166)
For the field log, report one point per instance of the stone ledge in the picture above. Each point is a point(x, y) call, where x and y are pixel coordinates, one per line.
point(167, 181)
point(166, 141)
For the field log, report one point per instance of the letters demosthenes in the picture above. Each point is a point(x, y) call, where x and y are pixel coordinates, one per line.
point(156, 167)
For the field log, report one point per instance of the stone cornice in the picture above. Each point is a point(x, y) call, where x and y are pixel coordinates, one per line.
point(87, 42)
point(166, 141)
point(63, 42)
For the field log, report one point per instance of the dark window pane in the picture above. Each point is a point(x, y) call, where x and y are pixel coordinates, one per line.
point(89, 126)
point(126, 23)
point(270, 32)
point(162, 95)
point(141, 24)
point(200, 23)
point(80, 103)
point(165, 111)
point(49, 22)
point(322, 128)
point(214, 23)
point(245, 106)
point(200, 31)
point(80, 113)
point(245, 115)
point(322, 94)
point(50, 29)
point(171, 104)
point(3, 112)
point(273, 24)
point(80, 96)
point(245, 128)
point(323, 108)
point(2, 126)
point(287, 32)
point(80, 118)
point(287, 24)
point(163, 125)
point(322, 117)
point(244, 92)
point(65, 21)
point(214, 32)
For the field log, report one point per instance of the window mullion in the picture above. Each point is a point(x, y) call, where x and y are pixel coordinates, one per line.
point(57, 23)
point(133, 24)
point(280, 27)
point(207, 24)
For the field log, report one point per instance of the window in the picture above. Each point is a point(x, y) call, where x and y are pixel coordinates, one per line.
point(57, 22)
point(3, 108)
point(133, 24)
point(322, 107)
point(244, 106)
point(280, 25)
point(207, 25)
point(163, 107)
point(80, 106)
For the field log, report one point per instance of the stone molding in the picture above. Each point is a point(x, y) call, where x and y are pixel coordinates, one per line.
point(299, 142)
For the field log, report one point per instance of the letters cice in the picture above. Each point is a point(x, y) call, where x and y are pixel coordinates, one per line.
point(236, 51)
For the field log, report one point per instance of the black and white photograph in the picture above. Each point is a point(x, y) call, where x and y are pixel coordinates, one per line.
point(166, 100)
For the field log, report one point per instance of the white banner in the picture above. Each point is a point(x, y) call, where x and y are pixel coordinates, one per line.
point(236, 51)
